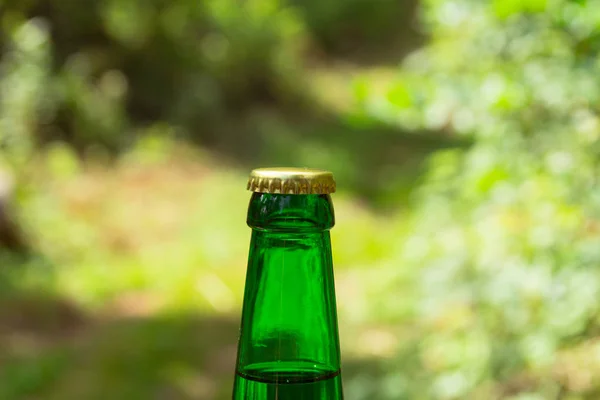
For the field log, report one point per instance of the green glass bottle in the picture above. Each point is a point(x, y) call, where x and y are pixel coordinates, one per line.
point(289, 345)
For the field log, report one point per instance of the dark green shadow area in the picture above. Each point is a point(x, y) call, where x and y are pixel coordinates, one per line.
point(50, 349)
point(376, 161)
point(71, 356)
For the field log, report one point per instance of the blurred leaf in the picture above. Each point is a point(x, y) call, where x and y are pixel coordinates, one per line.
point(119, 23)
point(506, 8)
point(361, 90)
point(399, 96)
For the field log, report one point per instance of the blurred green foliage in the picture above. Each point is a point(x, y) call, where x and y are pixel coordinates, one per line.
point(234, 78)
point(485, 287)
point(117, 64)
point(505, 234)
point(109, 68)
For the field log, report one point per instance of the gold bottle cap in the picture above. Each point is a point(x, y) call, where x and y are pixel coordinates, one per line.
point(291, 181)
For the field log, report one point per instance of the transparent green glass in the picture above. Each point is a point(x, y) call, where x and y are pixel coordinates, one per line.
point(289, 345)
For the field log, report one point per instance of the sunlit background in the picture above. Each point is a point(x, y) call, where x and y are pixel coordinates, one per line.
point(464, 136)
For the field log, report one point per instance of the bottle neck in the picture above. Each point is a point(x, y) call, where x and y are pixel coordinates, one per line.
point(289, 321)
point(290, 213)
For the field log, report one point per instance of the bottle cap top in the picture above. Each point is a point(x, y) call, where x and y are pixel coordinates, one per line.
point(291, 181)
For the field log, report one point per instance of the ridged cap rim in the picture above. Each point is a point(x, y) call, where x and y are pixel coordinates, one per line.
point(291, 181)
